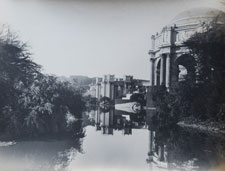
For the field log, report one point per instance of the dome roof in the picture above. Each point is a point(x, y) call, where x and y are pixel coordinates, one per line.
point(197, 15)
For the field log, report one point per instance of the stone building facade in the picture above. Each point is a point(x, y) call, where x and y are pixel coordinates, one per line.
point(113, 88)
point(169, 59)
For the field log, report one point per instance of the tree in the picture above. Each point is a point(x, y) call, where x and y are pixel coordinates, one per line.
point(209, 52)
point(32, 103)
point(17, 71)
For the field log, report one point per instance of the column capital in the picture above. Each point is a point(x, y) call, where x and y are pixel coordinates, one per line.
point(162, 56)
point(165, 55)
point(151, 52)
point(168, 54)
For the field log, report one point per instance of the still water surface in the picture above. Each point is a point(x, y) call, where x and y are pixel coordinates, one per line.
point(118, 141)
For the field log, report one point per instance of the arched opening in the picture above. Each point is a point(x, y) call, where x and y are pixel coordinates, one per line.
point(182, 72)
point(185, 65)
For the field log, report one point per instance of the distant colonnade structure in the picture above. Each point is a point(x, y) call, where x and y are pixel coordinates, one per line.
point(113, 88)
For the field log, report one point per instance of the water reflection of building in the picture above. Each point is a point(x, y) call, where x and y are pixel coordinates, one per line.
point(168, 148)
point(104, 121)
point(109, 86)
point(115, 120)
point(157, 154)
point(108, 121)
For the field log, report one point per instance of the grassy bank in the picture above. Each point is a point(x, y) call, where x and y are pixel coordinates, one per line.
point(204, 126)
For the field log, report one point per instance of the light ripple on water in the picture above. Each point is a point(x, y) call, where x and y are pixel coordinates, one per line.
point(5, 144)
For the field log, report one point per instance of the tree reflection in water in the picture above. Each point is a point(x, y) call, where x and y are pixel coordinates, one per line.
point(43, 154)
point(175, 148)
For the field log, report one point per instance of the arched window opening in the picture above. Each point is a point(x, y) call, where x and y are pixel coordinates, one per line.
point(182, 72)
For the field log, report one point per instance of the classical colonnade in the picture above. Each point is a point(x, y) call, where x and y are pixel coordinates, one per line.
point(112, 88)
point(160, 70)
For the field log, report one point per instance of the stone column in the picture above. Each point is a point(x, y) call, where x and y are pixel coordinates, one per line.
point(107, 89)
point(97, 91)
point(97, 117)
point(162, 71)
point(104, 89)
point(168, 70)
point(152, 69)
point(156, 72)
point(112, 93)
point(174, 71)
point(155, 75)
point(125, 88)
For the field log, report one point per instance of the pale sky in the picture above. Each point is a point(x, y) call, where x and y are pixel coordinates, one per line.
point(93, 37)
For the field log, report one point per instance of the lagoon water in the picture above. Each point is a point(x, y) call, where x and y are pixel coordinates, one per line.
point(118, 141)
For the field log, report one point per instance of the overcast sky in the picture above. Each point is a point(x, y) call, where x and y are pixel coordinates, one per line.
point(93, 37)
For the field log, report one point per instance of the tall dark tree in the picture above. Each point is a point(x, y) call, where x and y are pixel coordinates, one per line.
point(208, 48)
point(32, 103)
point(17, 71)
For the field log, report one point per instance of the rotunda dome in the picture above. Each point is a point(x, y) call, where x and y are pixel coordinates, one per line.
point(198, 15)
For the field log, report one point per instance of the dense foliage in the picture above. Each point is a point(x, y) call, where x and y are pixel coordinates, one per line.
point(209, 52)
point(32, 103)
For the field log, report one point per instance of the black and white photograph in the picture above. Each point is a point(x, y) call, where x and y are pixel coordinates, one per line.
point(112, 85)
